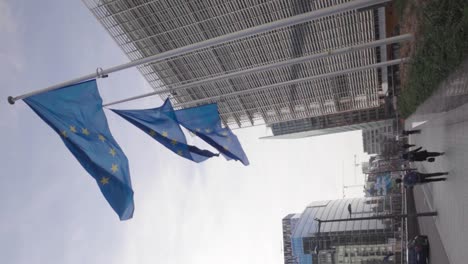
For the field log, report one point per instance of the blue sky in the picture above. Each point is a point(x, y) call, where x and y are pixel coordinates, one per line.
point(213, 212)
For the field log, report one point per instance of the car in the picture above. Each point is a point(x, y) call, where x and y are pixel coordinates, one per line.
point(418, 250)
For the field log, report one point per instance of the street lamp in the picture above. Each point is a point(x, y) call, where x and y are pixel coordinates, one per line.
point(387, 216)
point(317, 249)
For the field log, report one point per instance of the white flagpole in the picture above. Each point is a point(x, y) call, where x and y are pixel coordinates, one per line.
point(357, 4)
point(312, 57)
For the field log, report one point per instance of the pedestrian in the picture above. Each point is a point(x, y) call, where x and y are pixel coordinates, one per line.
point(421, 155)
point(409, 132)
point(407, 146)
point(412, 178)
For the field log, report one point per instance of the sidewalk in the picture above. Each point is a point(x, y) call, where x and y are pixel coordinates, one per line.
point(445, 128)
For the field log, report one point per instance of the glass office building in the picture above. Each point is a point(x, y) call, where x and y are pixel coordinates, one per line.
point(143, 28)
point(348, 241)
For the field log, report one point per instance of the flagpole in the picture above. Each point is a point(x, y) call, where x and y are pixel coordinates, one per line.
point(377, 43)
point(294, 20)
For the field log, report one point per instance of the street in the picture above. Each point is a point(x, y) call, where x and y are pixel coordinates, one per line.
point(443, 119)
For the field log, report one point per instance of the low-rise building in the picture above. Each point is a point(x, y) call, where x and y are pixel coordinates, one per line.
point(349, 240)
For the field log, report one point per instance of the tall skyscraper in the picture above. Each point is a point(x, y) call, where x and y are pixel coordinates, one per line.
point(228, 73)
point(347, 241)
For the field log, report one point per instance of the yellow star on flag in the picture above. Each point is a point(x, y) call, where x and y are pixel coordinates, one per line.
point(85, 131)
point(152, 133)
point(164, 134)
point(207, 130)
point(226, 148)
point(198, 130)
point(102, 138)
point(104, 180)
point(224, 133)
point(112, 152)
point(180, 152)
point(174, 142)
point(64, 133)
point(114, 168)
point(73, 129)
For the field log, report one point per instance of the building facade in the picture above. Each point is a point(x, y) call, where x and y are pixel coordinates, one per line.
point(348, 241)
point(379, 137)
point(228, 73)
point(361, 119)
point(289, 224)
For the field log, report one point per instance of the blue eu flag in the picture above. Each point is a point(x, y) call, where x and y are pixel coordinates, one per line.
point(205, 122)
point(75, 113)
point(160, 124)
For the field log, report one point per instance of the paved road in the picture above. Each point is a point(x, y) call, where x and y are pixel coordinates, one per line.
point(445, 128)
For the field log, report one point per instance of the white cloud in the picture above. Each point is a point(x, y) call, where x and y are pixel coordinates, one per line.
point(12, 61)
point(7, 21)
point(10, 55)
point(10, 65)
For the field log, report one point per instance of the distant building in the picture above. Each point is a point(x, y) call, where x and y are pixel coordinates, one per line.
point(379, 137)
point(362, 241)
point(365, 167)
point(289, 223)
point(379, 163)
point(361, 119)
point(381, 174)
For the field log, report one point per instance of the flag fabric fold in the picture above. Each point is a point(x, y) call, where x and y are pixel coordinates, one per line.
point(160, 123)
point(205, 122)
point(75, 113)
